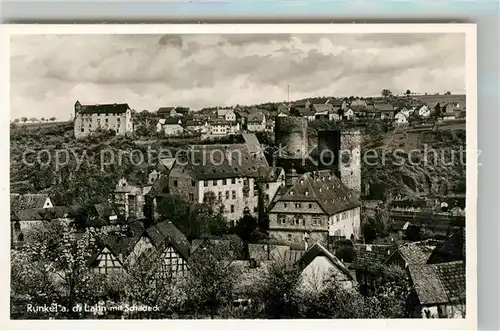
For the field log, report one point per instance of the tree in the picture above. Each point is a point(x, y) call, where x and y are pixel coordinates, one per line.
point(147, 283)
point(194, 220)
point(52, 268)
point(52, 119)
point(447, 93)
point(278, 290)
point(24, 119)
point(210, 283)
point(408, 93)
point(386, 93)
point(33, 119)
point(16, 120)
point(246, 226)
point(42, 119)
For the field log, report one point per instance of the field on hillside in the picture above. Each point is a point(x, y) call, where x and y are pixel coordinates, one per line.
point(441, 98)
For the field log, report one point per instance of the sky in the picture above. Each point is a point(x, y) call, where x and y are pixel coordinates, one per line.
point(50, 72)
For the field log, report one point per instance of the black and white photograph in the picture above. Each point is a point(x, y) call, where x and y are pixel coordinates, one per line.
point(251, 175)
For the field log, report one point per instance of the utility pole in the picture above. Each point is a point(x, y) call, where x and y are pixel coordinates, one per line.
point(288, 93)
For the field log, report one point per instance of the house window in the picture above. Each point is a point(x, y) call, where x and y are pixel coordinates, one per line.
point(298, 205)
point(267, 186)
point(282, 219)
point(214, 183)
point(83, 129)
point(289, 237)
point(224, 182)
point(233, 181)
point(227, 195)
point(267, 196)
point(20, 237)
point(285, 205)
point(232, 208)
point(193, 183)
point(233, 194)
point(219, 196)
point(175, 183)
point(254, 209)
point(191, 197)
point(344, 216)
point(205, 183)
point(442, 313)
point(310, 205)
point(106, 118)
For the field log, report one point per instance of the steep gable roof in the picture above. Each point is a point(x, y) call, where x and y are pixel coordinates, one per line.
point(324, 188)
point(111, 108)
point(370, 257)
point(220, 161)
point(165, 110)
point(257, 117)
point(122, 242)
point(439, 283)
point(452, 249)
point(319, 250)
point(27, 201)
point(322, 107)
point(415, 254)
point(165, 233)
point(384, 107)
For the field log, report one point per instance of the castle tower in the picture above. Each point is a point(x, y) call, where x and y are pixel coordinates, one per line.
point(350, 167)
point(340, 152)
point(291, 136)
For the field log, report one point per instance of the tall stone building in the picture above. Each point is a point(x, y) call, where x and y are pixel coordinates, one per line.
point(340, 152)
point(89, 118)
point(227, 172)
point(313, 207)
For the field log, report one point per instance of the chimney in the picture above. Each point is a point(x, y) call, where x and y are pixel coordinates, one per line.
point(291, 177)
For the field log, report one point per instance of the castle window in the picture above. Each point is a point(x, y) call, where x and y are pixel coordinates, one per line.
point(224, 182)
point(285, 205)
point(205, 183)
point(289, 237)
point(298, 205)
point(219, 196)
point(232, 208)
point(227, 195)
point(215, 182)
point(191, 197)
point(267, 186)
point(234, 195)
point(310, 205)
point(193, 183)
point(175, 183)
point(233, 181)
point(254, 209)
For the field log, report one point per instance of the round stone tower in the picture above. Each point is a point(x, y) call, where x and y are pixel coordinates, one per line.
point(350, 159)
point(291, 136)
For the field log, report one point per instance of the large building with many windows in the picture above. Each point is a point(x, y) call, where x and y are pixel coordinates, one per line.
point(91, 118)
point(313, 207)
point(228, 173)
